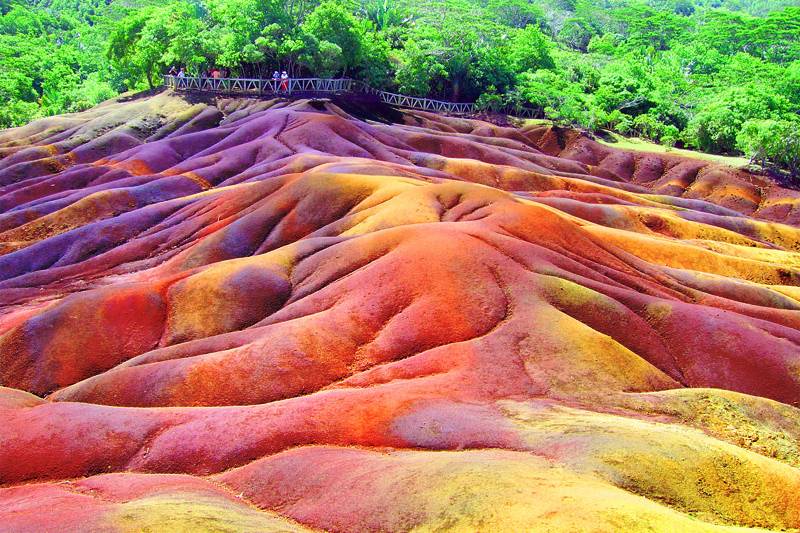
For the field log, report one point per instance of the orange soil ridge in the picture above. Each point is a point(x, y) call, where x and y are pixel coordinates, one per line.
point(278, 316)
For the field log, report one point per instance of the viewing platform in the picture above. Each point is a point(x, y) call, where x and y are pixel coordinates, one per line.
point(321, 87)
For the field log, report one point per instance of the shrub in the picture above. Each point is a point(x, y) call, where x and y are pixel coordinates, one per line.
point(772, 143)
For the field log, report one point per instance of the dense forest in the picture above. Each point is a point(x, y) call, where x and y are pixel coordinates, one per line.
point(722, 76)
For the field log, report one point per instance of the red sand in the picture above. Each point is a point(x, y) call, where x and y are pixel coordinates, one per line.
point(515, 328)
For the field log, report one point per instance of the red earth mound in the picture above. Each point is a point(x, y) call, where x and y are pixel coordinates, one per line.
point(266, 315)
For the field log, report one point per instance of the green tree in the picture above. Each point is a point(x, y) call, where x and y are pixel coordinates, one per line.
point(517, 13)
point(715, 127)
point(384, 13)
point(669, 70)
point(624, 85)
point(576, 34)
point(530, 50)
point(776, 38)
point(772, 143)
point(137, 46)
point(419, 69)
point(789, 83)
point(556, 97)
point(331, 22)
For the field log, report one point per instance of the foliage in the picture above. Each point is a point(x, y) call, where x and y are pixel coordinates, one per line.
point(716, 126)
point(772, 143)
point(719, 75)
point(530, 50)
point(332, 23)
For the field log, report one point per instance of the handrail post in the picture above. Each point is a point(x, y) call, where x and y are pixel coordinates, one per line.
point(259, 86)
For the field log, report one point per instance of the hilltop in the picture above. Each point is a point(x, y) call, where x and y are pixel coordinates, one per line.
point(247, 315)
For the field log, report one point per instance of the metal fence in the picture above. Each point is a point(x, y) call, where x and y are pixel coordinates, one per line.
point(259, 87)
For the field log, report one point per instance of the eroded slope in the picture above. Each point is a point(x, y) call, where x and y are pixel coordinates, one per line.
point(289, 317)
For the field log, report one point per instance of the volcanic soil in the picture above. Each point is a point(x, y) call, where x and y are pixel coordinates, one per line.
point(241, 315)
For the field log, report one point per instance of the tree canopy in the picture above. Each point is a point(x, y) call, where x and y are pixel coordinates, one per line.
point(717, 75)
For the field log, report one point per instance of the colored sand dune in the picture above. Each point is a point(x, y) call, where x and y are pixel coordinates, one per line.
point(296, 316)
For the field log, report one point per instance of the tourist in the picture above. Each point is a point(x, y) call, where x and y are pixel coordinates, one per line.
point(172, 71)
point(215, 74)
point(181, 73)
point(284, 82)
point(276, 80)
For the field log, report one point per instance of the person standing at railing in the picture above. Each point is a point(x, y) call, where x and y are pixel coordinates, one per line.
point(276, 81)
point(284, 82)
point(172, 71)
point(181, 73)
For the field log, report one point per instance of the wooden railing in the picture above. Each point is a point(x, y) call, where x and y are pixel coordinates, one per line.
point(259, 87)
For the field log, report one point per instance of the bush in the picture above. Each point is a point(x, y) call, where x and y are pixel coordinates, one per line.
point(558, 98)
point(716, 125)
point(650, 127)
point(772, 143)
point(91, 92)
point(18, 113)
point(576, 34)
point(491, 100)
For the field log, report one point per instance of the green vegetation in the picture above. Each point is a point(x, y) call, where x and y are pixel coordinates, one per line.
point(773, 143)
point(642, 145)
point(722, 76)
